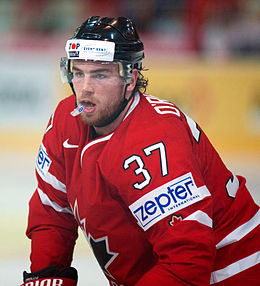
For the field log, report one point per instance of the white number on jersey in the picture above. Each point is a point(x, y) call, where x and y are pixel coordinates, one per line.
point(140, 163)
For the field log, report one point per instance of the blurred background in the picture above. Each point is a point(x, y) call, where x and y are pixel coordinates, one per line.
point(204, 55)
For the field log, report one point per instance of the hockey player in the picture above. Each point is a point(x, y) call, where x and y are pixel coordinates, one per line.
point(139, 177)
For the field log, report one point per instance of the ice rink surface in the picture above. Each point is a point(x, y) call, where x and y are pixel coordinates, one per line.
point(17, 184)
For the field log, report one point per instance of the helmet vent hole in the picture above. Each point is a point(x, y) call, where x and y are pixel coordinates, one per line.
point(128, 35)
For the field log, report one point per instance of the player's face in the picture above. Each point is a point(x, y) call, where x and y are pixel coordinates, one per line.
point(99, 89)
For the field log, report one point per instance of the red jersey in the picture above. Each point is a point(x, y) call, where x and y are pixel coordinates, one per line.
point(154, 200)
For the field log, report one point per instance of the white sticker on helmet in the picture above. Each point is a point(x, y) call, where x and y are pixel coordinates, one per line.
point(94, 50)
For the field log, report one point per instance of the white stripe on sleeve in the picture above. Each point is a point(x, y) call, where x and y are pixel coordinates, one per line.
point(241, 231)
point(200, 217)
point(43, 164)
point(58, 185)
point(46, 201)
point(235, 268)
point(53, 181)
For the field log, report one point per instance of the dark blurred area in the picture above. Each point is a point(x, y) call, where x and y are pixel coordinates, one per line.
point(216, 28)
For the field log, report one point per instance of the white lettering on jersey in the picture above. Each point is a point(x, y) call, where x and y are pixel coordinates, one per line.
point(166, 200)
point(43, 161)
point(232, 186)
point(193, 127)
point(162, 106)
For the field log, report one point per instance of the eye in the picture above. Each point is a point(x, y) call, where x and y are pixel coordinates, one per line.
point(78, 74)
point(100, 76)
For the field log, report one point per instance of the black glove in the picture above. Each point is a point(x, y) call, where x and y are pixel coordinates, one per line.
point(51, 276)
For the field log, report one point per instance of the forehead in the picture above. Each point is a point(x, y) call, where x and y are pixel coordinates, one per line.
point(89, 65)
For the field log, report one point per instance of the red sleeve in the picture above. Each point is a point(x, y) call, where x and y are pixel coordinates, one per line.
point(51, 224)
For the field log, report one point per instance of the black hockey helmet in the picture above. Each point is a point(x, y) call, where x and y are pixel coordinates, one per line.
point(105, 39)
point(121, 31)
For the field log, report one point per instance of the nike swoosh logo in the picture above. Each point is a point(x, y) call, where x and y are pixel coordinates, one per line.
point(66, 144)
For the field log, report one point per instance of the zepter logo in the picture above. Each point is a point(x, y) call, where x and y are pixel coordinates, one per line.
point(167, 200)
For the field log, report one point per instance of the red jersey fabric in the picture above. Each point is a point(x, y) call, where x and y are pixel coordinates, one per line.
point(154, 200)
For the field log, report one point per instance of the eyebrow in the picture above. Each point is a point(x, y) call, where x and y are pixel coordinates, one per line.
point(93, 71)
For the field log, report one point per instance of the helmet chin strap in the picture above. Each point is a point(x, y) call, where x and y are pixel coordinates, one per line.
point(73, 90)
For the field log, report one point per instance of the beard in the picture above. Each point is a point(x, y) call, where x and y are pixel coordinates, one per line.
point(107, 115)
point(109, 119)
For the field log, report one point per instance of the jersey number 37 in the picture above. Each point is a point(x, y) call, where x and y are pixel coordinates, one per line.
point(141, 170)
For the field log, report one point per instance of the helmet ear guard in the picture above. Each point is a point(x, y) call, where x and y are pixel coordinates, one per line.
point(125, 71)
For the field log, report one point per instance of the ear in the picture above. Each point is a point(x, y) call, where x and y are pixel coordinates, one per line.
point(132, 83)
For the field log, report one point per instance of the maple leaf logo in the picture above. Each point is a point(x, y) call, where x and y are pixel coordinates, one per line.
point(175, 219)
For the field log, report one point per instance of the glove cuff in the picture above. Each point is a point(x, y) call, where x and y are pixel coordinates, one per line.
point(53, 281)
point(51, 276)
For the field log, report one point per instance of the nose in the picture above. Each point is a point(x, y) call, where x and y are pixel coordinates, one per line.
point(87, 85)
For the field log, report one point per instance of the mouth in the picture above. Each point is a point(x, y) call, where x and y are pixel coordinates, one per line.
point(88, 106)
